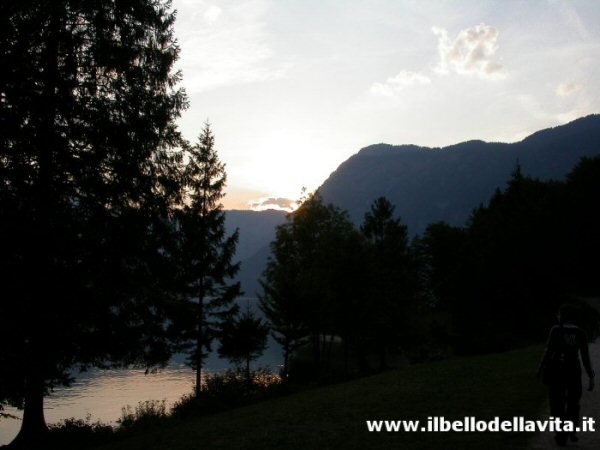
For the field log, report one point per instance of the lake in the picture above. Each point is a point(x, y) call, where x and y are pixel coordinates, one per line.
point(102, 393)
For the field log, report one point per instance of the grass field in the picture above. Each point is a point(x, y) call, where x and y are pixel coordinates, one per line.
point(334, 417)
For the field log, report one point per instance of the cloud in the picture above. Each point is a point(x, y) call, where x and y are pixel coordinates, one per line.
point(399, 82)
point(573, 19)
point(280, 203)
point(472, 53)
point(225, 45)
point(212, 14)
point(567, 89)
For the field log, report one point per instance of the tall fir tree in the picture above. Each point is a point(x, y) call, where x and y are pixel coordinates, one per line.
point(282, 301)
point(88, 173)
point(205, 254)
point(391, 277)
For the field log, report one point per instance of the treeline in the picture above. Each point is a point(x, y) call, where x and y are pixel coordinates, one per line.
point(369, 293)
point(533, 247)
point(327, 281)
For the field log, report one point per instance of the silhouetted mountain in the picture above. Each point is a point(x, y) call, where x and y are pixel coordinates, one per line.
point(433, 184)
point(257, 230)
point(425, 184)
point(252, 269)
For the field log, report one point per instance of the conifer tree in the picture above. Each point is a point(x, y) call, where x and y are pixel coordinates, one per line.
point(282, 300)
point(244, 339)
point(205, 254)
point(88, 174)
point(390, 275)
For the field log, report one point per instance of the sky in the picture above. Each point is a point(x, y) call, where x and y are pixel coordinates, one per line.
point(293, 88)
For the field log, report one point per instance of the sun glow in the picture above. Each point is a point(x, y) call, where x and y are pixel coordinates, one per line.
point(281, 165)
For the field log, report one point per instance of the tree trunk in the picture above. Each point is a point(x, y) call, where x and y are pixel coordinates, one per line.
point(34, 434)
point(345, 340)
point(316, 348)
point(198, 374)
point(248, 377)
point(199, 345)
point(330, 352)
point(286, 361)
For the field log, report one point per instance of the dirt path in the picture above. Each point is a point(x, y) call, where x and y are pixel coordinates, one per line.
point(590, 407)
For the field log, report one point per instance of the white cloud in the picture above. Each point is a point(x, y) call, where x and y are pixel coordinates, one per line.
point(234, 49)
point(212, 14)
point(264, 203)
point(567, 89)
point(398, 82)
point(472, 53)
point(573, 20)
point(549, 111)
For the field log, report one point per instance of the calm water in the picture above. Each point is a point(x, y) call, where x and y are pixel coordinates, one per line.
point(102, 394)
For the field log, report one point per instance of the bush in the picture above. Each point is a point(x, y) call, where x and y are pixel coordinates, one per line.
point(227, 390)
point(83, 433)
point(79, 433)
point(145, 415)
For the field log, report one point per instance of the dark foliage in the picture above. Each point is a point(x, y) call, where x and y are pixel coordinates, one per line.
point(88, 173)
point(145, 415)
point(530, 249)
point(391, 277)
point(312, 280)
point(228, 390)
point(203, 255)
point(337, 290)
point(490, 285)
point(75, 434)
point(243, 340)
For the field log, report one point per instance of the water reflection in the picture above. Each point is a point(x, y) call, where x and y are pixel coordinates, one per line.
point(102, 393)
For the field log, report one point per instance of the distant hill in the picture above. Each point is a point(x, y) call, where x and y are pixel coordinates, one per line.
point(252, 269)
point(257, 230)
point(426, 184)
point(433, 184)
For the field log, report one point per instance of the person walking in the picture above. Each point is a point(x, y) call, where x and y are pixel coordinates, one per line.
point(561, 370)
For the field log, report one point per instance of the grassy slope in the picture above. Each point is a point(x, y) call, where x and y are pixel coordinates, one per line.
point(334, 417)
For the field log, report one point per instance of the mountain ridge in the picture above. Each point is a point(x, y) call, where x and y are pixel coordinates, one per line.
point(429, 184)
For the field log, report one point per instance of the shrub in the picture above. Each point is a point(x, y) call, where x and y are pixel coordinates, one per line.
point(80, 433)
point(145, 414)
point(221, 391)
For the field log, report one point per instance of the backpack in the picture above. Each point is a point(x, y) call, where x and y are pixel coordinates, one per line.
point(555, 366)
